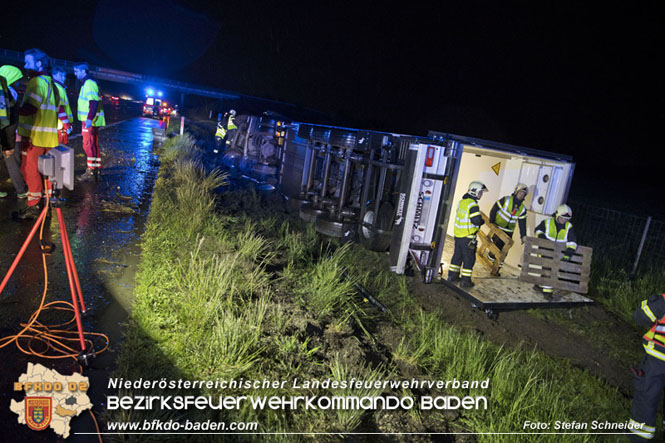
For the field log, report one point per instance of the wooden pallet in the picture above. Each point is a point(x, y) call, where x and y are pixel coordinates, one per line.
point(485, 245)
point(541, 264)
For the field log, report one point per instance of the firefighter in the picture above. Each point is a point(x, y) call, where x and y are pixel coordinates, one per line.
point(9, 75)
point(557, 229)
point(37, 128)
point(507, 212)
point(226, 131)
point(467, 223)
point(649, 376)
point(91, 115)
point(66, 119)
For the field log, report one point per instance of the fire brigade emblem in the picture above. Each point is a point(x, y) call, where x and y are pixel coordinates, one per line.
point(38, 412)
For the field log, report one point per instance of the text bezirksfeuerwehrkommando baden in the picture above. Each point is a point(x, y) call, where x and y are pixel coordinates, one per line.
point(346, 401)
point(296, 383)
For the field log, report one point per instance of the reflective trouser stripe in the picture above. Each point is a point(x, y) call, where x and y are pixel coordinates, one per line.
point(644, 431)
point(454, 268)
point(547, 289)
point(30, 170)
point(466, 272)
point(91, 146)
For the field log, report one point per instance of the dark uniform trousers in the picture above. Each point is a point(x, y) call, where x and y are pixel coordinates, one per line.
point(648, 389)
point(463, 256)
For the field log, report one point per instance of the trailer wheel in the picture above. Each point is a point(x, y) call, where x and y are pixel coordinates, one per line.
point(335, 228)
point(309, 213)
point(377, 239)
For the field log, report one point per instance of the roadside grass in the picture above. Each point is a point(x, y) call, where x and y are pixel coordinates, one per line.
point(230, 288)
point(621, 293)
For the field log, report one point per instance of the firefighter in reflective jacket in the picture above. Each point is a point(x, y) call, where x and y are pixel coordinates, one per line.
point(90, 113)
point(507, 212)
point(467, 222)
point(649, 377)
point(557, 229)
point(65, 119)
point(226, 130)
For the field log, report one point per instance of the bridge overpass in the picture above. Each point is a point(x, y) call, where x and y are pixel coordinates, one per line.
point(114, 75)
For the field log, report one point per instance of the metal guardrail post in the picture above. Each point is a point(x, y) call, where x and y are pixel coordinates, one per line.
point(182, 125)
point(639, 250)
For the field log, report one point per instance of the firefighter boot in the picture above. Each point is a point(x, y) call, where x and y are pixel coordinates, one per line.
point(453, 277)
point(28, 213)
point(466, 283)
point(87, 175)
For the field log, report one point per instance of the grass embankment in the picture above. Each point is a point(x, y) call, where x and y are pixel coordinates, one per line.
point(231, 287)
point(620, 292)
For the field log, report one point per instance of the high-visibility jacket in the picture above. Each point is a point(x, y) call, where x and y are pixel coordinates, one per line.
point(467, 217)
point(65, 116)
point(90, 92)
point(42, 126)
point(508, 214)
point(223, 126)
point(231, 123)
point(548, 229)
point(652, 312)
point(8, 76)
point(6, 103)
point(221, 132)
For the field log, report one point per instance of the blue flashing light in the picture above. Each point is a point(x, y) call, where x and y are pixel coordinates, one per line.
point(159, 93)
point(150, 91)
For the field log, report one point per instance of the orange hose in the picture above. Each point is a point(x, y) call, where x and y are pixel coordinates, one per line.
point(54, 341)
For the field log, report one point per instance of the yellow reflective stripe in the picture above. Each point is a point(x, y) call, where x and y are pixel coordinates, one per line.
point(642, 430)
point(35, 97)
point(652, 352)
point(37, 128)
point(647, 311)
point(473, 214)
point(454, 268)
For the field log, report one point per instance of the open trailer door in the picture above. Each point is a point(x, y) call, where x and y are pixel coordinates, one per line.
point(424, 205)
point(501, 167)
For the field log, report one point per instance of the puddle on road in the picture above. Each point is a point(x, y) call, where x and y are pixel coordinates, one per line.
point(105, 221)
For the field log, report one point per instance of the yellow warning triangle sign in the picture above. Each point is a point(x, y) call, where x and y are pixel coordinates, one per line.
point(496, 168)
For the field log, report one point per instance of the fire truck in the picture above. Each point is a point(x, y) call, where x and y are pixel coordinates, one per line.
point(155, 106)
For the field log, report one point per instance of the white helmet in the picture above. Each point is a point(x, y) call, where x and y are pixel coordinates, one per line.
point(476, 188)
point(521, 187)
point(564, 212)
point(232, 112)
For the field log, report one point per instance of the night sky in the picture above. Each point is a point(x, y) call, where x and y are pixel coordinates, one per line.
point(579, 79)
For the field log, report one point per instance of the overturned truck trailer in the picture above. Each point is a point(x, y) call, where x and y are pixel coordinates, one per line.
point(396, 193)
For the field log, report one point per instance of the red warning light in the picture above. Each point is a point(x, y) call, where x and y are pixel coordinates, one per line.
point(429, 158)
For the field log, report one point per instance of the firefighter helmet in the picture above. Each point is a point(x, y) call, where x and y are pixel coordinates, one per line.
point(564, 212)
point(232, 112)
point(521, 187)
point(476, 187)
point(11, 73)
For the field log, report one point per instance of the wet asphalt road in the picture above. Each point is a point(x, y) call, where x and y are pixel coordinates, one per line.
point(105, 221)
